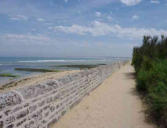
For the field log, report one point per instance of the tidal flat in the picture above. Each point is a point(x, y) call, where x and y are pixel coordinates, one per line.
point(80, 66)
point(36, 70)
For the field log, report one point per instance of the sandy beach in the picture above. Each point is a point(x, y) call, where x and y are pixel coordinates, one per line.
point(114, 104)
point(34, 79)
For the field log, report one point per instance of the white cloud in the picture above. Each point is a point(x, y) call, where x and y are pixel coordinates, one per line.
point(19, 17)
point(25, 37)
point(77, 29)
point(66, 1)
point(130, 2)
point(135, 17)
point(98, 14)
point(109, 18)
point(155, 1)
point(103, 29)
point(33, 29)
point(40, 19)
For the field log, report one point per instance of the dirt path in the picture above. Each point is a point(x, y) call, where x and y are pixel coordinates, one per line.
point(112, 105)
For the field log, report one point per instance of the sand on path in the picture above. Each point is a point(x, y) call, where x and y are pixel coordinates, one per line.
point(112, 105)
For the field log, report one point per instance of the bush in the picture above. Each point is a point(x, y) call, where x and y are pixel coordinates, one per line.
point(157, 95)
point(150, 65)
point(141, 81)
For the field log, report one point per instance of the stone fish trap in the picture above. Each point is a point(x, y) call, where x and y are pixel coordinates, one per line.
point(40, 105)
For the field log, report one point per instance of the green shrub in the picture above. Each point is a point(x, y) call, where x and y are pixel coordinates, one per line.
point(158, 101)
point(150, 65)
point(141, 81)
point(157, 96)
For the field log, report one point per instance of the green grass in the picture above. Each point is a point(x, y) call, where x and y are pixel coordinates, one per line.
point(7, 75)
point(36, 70)
point(81, 66)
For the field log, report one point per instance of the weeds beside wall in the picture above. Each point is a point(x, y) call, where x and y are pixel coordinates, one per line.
point(150, 62)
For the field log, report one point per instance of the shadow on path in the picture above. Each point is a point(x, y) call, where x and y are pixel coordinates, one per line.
point(130, 75)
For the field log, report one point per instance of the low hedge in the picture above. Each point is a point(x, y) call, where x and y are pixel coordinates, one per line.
point(151, 77)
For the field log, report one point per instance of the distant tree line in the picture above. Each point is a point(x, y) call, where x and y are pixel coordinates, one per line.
point(150, 63)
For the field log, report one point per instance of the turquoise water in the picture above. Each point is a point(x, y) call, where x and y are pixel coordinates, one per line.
point(8, 64)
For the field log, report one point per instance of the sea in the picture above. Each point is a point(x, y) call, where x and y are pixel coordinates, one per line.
point(8, 64)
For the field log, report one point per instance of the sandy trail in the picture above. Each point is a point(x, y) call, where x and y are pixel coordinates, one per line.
point(111, 105)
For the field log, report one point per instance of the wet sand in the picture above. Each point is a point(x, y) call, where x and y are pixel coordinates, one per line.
point(114, 104)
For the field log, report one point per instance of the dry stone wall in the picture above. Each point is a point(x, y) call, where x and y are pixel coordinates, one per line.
point(39, 105)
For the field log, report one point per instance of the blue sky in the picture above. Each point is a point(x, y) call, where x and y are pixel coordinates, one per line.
point(78, 28)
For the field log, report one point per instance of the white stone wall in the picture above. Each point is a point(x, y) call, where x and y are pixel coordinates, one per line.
point(39, 105)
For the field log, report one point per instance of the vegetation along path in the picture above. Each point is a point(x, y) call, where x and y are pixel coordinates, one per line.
point(114, 104)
